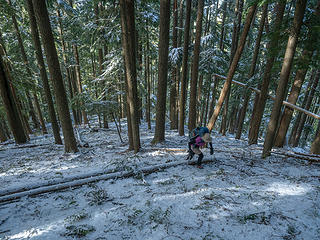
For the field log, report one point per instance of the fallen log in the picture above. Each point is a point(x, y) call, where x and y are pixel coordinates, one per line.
point(306, 154)
point(53, 182)
point(311, 159)
point(84, 181)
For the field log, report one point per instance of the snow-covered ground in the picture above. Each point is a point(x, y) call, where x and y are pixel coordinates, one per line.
point(237, 196)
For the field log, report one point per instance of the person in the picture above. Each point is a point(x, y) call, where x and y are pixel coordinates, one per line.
point(197, 141)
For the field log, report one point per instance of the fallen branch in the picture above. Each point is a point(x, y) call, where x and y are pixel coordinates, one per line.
point(53, 182)
point(87, 180)
point(306, 154)
point(311, 159)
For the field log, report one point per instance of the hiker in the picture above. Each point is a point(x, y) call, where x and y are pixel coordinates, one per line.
point(199, 137)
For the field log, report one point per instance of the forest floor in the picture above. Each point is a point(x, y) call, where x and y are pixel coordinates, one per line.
point(237, 195)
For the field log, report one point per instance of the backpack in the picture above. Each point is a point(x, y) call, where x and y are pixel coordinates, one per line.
point(198, 131)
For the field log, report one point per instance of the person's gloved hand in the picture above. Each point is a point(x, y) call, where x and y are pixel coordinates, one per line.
point(211, 151)
point(190, 155)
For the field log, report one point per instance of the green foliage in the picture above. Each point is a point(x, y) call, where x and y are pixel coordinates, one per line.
point(97, 197)
point(78, 231)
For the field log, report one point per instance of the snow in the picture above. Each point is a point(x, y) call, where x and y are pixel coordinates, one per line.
point(236, 196)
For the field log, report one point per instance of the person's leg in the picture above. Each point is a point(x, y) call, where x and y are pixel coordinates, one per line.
point(200, 159)
point(197, 151)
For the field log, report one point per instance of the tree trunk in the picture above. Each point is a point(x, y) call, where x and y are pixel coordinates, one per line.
point(224, 9)
point(223, 127)
point(233, 66)
point(184, 73)
point(128, 44)
point(178, 75)
point(258, 113)
point(32, 111)
point(213, 96)
point(159, 134)
point(10, 105)
point(200, 91)
point(173, 87)
point(296, 138)
point(304, 60)
point(3, 134)
point(298, 118)
point(26, 62)
point(42, 17)
point(67, 69)
point(243, 114)
point(252, 70)
point(43, 73)
point(195, 69)
point(148, 105)
point(78, 78)
point(315, 146)
point(284, 77)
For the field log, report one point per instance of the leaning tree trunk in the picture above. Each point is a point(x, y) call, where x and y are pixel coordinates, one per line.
point(284, 76)
point(304, 60)
point(10, 105)
point(195, 69)
point(252, 70)
point(184, 73)
point(43, 73)
point(43, 21)
point(233, 66)
point(128, 43)
point(261, 101)
point(159, 133)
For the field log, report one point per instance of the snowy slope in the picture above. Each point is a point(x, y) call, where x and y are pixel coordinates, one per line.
point(237, 196)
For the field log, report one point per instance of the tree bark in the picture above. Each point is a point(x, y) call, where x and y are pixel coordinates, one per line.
point(10, 105)
point(3, 134)
point(224, 9)
point(195, 69)
point(42, 17)
point(159, 134)
point(68, 69)
point(284, 77)
point(173, 87)
point(78, 78)
point(128, 43)
point(233, 66)
point(26, 62)
point(184, 73)
point(315, 146)
point(43, 73)
point(252, 70)
point(148, 102)
point(304, 61)
point(258, 113)
point(296, 138)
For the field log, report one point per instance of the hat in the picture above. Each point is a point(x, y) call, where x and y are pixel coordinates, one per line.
point(206, 137)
